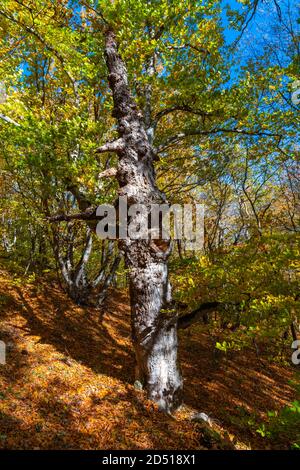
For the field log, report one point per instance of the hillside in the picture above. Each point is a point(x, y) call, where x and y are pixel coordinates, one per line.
point(68, 380)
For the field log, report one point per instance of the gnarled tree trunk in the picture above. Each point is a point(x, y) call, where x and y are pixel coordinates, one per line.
point(154, 321)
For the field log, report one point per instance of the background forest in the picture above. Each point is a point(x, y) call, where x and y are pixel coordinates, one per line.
point(217, 85)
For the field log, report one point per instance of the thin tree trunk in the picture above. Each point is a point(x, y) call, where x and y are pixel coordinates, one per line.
point(154, 321)
point(109, 279)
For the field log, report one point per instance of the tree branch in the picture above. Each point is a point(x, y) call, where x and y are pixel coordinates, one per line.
point(8, 119)
point(201, 50)
point(108, 173)
point(88, 214)
point(50, 48)
point(116, 146)
point(187, 109)
point(183, 135)
point(199, 313)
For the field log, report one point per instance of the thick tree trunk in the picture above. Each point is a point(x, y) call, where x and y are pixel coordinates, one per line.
point(154, 322)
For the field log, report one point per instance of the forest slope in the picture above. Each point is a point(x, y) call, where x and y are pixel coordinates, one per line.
point(66, 386)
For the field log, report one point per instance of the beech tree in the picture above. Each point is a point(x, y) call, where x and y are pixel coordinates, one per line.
point(154, 321)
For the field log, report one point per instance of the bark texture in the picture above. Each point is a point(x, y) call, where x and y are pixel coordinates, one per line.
point(154, 321)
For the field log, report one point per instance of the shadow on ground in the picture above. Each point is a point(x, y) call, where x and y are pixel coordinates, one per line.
point(68, 380)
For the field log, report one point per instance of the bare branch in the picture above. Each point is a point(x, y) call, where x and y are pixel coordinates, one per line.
point(201, 50)
point(183, 135)
point(199, 313)
point(116, 146)
point(8, 119)
point(247, 20)
point(108, 173)
point(187, 109)
point(88, 214)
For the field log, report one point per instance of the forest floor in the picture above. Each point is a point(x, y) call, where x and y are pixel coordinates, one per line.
point(67, 381)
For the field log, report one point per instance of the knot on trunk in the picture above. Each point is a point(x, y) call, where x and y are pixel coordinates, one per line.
point(161, 247)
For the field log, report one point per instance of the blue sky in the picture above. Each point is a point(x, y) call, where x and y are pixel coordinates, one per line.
point(263, 21)
point(260, 30)
point(230, 34)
